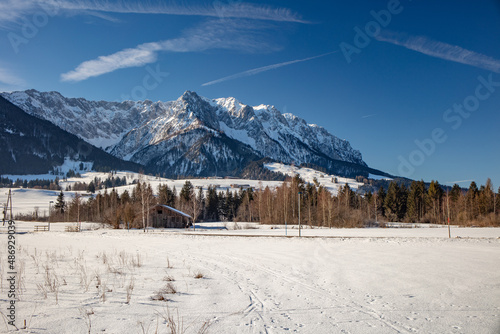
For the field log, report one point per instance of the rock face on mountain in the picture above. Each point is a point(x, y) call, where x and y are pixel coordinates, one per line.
point(35, 146)
point(194, 135)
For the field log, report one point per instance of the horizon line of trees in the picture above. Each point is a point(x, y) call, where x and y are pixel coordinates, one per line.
point(418, 203)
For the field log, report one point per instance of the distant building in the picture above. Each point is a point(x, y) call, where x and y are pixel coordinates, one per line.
point(164, 216)
point(240, 186)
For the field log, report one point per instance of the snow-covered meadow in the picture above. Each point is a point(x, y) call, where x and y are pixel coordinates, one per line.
point(216, 280)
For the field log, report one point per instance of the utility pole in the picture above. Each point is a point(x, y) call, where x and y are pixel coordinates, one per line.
point(8, 207)
point(78, 212)
point(49, 213)
point(285, 188)
point(448, 205)
point(299, 213)
point(142, 200)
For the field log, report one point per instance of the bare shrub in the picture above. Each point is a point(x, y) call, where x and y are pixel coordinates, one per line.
point(84, 277)
point(20, 277)
point(51, 283)
point(103, 290)
point(198, 274)
point(158, 296)
point(35, 260)
point(88, 320)
point(129, 289)
point(122, 256)
point(175, 324)
point(103, 257)
point(137, 261)
point(168, 278)
point(41, 288)
point(1, 274)
point(98, 279)
point(168, 289)
point(204, 328)
point(114, 270)
point(490, 220)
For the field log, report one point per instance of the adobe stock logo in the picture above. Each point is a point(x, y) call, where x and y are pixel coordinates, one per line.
point(30, 27)
point(372, 29)
point(453, 116)
point(150, 82)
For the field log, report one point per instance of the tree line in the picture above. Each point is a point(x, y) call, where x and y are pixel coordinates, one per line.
point(418, 203)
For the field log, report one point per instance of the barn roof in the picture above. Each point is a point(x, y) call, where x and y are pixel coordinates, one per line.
point(174, 210)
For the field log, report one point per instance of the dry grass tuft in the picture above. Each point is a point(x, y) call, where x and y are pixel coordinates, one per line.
point(198, 274)
point(168, 289)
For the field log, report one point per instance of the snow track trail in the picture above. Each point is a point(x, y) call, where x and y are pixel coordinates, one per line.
point(259, 285)
point(237, 270)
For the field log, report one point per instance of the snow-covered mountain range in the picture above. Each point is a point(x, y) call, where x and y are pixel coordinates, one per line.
point(193, 135)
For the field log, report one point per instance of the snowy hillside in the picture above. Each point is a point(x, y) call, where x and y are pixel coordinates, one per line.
point(331, 182)
point(25, 200)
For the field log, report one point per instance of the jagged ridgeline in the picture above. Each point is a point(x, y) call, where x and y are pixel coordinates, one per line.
point(193, 135)
point(30, 145)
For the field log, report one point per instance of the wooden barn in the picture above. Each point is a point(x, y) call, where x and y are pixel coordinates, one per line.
point(164, 216)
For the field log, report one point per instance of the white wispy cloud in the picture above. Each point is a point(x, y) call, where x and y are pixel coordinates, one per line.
point(215, 34)
point(12, 10)
point(213, 9)
point(7, 77)
point(227, 35)
point(441, 50)
point(140, 56)
point(262, 69)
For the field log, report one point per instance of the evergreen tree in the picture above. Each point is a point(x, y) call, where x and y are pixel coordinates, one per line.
point(200, 200)
point(415, 201)
point(402, 199)
point(455, 193)
point(380, 201)
point(91, 187)
point(212, 204)
point(187, 192)
point(125, 197)
point(391, 201)
point(166, 195)
point(60, 204)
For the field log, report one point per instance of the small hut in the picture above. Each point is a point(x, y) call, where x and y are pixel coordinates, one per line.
point(168, 217)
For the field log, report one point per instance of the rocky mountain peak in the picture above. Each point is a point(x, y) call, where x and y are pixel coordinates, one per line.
point(161, 134)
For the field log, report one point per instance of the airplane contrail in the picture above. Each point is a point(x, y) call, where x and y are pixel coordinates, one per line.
point(263, 69)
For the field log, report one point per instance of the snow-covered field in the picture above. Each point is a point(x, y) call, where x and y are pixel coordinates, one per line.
point(396, 280)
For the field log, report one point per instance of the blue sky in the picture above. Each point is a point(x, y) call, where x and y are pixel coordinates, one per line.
point(414, 85)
